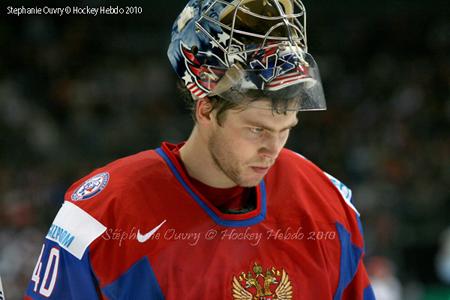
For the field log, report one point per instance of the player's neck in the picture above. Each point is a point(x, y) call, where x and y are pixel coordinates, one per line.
point(199, 163)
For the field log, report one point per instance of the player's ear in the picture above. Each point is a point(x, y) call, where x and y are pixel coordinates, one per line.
point(203, 110)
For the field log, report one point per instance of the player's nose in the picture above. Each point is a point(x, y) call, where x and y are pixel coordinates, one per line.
point(271, 147)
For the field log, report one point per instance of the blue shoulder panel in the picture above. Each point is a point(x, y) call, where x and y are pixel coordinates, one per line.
point(368, 293)
point(139, 282)
point(350, 256)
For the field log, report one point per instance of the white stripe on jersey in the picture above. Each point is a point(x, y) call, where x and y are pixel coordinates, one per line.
point(74, 229)
point(344, 190)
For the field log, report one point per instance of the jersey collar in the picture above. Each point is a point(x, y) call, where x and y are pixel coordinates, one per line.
point(234, 220)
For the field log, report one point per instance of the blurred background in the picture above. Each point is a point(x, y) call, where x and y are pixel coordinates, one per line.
point(78, 91)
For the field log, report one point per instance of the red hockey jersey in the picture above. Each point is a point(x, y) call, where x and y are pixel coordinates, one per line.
point(138, 229)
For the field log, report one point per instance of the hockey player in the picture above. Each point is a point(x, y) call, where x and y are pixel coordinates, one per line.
point(229, 213)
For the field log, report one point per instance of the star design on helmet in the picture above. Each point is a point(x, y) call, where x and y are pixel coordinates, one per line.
point(213, 44)
point(187, 78)
point(223, 38)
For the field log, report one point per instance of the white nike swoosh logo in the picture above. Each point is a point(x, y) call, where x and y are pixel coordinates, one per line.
point(142, 238)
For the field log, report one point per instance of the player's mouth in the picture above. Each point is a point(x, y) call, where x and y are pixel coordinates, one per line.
point(260, 170)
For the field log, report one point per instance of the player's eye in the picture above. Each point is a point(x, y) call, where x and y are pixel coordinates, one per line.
point(256, 130)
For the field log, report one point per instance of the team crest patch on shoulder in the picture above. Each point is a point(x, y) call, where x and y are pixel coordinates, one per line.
point(269, 285)
point(91, 187)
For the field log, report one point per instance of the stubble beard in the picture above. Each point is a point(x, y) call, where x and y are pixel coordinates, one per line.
point(226, 162)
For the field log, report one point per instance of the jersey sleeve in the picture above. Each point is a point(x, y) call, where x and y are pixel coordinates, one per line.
point(63, 269)
point(353, 279)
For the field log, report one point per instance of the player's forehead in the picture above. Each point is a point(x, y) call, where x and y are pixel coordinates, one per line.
point(262, 113)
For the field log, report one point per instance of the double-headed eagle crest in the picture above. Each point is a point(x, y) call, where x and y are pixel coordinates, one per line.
point(258, 285)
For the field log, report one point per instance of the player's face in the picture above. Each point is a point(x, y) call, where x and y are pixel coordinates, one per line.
point(249, 141)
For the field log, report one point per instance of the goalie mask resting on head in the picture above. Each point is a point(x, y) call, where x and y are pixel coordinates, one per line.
point(245, 50)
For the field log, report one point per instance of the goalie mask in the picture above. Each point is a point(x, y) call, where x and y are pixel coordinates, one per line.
point(244, 50)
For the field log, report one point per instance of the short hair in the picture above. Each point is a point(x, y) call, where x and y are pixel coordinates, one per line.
point(280, 105)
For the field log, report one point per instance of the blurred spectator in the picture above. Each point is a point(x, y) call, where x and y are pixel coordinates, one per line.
point(443, 257)
point(386, 285)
